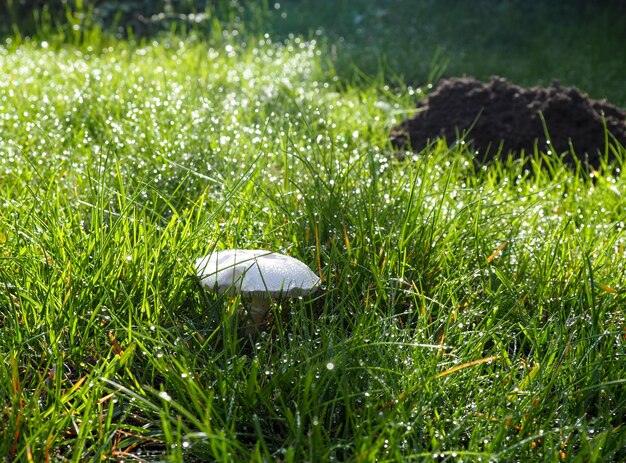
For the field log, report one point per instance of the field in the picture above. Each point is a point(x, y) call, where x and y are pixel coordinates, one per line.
point(468, 313)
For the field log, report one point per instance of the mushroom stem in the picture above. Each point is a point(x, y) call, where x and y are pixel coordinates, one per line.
point(258, 307)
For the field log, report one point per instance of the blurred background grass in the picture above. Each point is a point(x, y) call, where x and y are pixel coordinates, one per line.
point(416, 42)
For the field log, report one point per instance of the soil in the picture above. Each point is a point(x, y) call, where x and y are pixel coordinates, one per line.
point(499, 117)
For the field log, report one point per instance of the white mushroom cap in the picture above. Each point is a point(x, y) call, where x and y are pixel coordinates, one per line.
point(255, 273)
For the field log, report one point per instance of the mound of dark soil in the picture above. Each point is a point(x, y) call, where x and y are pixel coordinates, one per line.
point(498, 114)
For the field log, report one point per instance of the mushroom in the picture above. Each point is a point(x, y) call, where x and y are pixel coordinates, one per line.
point(258, 275)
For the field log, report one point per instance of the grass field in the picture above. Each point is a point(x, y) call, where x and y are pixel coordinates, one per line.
point(467, 313)
point(529, 43)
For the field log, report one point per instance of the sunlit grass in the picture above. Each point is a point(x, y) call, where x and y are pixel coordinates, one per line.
point(467, 313)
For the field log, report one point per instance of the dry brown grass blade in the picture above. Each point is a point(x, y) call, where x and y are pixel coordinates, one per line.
point(496, 253)
point(467, 365)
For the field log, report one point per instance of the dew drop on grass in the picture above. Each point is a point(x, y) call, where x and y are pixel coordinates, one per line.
point(165, 396)
point(330, 366)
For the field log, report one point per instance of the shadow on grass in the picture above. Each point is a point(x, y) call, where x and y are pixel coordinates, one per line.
point(132, 19)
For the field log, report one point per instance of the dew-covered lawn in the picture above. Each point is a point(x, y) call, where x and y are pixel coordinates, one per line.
point(467, 314)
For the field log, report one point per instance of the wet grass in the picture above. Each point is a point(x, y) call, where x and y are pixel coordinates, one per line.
point(468, 314)
point(528, 43)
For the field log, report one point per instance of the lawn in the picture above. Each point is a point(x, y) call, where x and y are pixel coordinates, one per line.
point(468, 313)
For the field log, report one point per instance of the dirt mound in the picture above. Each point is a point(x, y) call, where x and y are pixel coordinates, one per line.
point(500, 113)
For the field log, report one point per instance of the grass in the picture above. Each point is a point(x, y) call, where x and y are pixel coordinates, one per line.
point(529, 44)
point(468, 314)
